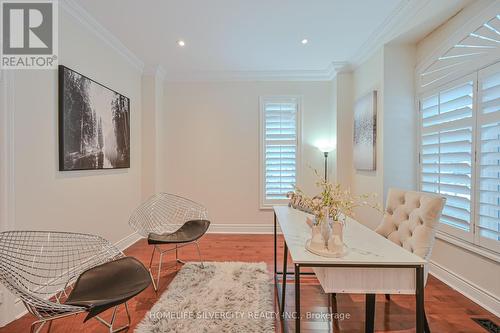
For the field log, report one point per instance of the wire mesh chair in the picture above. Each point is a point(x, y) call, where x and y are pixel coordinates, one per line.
point(41, 268)
point(169, 219)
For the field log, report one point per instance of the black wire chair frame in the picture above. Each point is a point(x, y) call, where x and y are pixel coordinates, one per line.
point(165, 213)
point(41, 267)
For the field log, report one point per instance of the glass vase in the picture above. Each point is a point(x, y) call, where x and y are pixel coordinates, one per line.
point(325, 230)
point(317, 240)
point(336, 239)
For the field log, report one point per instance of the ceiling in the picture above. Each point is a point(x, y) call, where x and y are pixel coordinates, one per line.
point(248, 35)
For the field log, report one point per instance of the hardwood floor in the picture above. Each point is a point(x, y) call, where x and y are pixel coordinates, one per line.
point(447, 310)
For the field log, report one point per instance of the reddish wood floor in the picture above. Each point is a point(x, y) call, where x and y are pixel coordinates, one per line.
point(447, 310)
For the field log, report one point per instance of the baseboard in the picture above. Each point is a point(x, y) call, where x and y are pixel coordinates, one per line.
point(261, 229)
point(465, 287)
point(127, 241)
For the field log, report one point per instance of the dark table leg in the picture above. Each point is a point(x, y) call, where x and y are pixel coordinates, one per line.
point(275, 247)
point(297, 298)
point(283, 283)
point(369, 313)
point(419, 296)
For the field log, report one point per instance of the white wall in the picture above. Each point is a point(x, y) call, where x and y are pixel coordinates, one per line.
point(399, 118)
point(342, 103)
point(366, 78)
point(43, 198)
point(88, 201)
point(152, 142)
point(212, 143)
point(389, 71)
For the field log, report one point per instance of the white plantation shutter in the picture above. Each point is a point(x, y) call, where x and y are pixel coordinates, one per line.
point(447, 124)
point(279, 148)
point(488, 147)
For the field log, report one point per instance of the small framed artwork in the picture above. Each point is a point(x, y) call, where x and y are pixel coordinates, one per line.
point(94, 124)
point(365, 132)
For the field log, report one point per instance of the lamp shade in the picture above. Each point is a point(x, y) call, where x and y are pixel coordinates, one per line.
point(325, 146)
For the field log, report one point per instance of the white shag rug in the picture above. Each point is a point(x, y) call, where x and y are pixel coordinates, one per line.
point(223, 297)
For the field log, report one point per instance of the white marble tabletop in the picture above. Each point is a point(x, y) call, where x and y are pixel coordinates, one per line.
point(364, 246)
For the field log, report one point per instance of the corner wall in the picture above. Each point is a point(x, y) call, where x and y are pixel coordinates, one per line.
point(389, 71)
point(367, 77)
point(39, 196)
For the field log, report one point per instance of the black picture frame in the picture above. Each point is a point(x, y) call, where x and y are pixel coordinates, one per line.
point(86, 140)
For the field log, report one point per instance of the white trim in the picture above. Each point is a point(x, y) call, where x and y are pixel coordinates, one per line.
point(474, 248)
point(127, 241)
point(466, 122)
point(8, 166)
point(83, 17)
point(470, 24)
point(477, 17)
point(326, 74)
point(268, 204)
point(483, 119)
point(259, 229)
point(387, 30)
point(156, 71)
point(467, 288)
point(19, 310)
point(7, 169)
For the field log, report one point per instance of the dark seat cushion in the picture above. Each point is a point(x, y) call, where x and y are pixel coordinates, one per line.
point(110, 284)
point(189, 232)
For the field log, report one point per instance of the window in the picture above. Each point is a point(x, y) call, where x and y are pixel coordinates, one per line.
point(446, 153)
point(488, 158)
point(460, 155)
point(279, 148)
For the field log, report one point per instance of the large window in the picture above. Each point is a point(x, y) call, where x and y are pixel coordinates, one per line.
point(460, 155)
point(280, 133)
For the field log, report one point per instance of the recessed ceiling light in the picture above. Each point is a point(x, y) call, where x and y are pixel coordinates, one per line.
point(181, 43)
point(304, 41)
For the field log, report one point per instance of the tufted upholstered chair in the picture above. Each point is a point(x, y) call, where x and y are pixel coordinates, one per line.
point(410, 220)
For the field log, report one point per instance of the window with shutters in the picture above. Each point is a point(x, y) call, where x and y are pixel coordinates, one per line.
point(460, 155)
point(280, 133)
point(488, 158)
point(446, 152)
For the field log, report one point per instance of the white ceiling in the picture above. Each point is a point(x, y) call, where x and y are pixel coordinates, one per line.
point(247, 35)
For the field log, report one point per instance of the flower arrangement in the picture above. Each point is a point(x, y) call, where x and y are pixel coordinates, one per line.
point(332, 203)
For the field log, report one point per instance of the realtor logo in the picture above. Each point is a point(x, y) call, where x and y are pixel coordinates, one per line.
point(29, 35)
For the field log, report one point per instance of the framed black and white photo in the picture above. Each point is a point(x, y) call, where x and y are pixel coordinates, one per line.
point(94, 124)
point(365, 132)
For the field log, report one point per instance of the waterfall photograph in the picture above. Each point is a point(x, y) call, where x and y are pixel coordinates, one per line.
point(94, 124)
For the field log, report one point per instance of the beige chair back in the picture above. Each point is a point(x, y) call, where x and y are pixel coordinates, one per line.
point(411, 219)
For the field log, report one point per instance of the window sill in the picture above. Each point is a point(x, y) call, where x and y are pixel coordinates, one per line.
point(270, 206)
point(468, 246)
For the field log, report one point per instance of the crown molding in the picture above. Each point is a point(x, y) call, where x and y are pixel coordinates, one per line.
point(157, 71)
point(392, 25)
point(326, 74)
point(86, 20)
